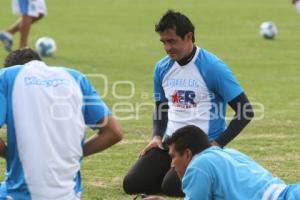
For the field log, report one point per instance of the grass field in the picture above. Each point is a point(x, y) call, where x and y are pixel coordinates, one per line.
point(116, 38)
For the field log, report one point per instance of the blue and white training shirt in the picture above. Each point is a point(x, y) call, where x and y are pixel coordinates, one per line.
point(226, 174)
point(45, 110)
point(197, 93)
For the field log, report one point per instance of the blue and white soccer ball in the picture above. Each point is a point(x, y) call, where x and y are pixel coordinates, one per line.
point(268, 30)
point(45, 46)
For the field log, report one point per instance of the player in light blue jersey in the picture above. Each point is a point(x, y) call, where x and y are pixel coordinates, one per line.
point(212, 173)
point(31, 11)
point(46, 111)
point(191, 87)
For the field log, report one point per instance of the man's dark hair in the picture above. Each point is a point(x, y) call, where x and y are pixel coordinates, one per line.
point(20, 57)
point(177, 21)
point(189, 137)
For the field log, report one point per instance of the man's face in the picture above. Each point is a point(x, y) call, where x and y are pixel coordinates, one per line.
point(180, 161)
point(176, 47)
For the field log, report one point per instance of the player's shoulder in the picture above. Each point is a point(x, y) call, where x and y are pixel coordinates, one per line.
point(80, 78)
point(208, 155)
point(207, 57)
point(200, 157)
point(10, 71)
point(208, 63)
point(11, 68)
point(2, 71)
point(163, 66)
point(201, 162)
point(164, 63)
point(236, 154)
point(73, 72)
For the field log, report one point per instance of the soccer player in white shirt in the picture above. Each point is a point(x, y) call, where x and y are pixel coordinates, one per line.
point(31, 11)
point(191, 86)
point(46, 111)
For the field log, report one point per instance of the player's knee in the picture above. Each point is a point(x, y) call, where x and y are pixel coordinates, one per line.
point(166, 189)
point(128, 185)
point(171, 189)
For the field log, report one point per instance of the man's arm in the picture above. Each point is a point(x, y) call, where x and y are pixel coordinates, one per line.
point(160, 118)
point(2, 148)
point(160, 115)
point(107, 135)
point(160, 121)
point(243, 115)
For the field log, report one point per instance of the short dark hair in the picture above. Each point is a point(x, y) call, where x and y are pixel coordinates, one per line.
point(177, 21)
point(189, 137)
point(20, 57)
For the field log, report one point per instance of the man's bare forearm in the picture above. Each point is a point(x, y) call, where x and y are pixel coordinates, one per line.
point(107, 136)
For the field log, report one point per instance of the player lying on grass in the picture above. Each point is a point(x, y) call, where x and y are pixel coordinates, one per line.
point(46, 111)
point(210, 172)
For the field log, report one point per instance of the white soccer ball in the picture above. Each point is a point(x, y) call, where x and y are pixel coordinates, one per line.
point(45, 46)
point(268, 30)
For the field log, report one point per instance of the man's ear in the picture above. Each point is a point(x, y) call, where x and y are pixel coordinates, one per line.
point(189, 36)
point(188, 154)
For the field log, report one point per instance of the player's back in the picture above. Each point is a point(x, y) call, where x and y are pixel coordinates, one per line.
point(46, 133)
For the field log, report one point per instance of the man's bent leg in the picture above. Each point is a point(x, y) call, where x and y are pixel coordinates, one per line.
point(147, 173)
point(24, 27)
point(171, 185)
point(16, 26)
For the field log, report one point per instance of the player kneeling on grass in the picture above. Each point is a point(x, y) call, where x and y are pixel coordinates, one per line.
point(45, 110)
point(210, 172)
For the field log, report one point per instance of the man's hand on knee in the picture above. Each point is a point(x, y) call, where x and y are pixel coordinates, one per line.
point(155, 142)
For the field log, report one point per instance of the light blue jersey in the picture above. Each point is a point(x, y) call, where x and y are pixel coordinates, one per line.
point(46, 110)
point(197, 93)
point(226, 174)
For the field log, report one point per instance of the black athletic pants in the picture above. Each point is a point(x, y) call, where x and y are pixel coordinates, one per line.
point(151, 174)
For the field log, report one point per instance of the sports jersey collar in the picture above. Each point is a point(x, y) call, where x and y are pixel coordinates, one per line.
point(36, 63)
point(189, 58)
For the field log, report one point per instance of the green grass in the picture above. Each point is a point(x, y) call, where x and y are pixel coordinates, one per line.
point(117, 38)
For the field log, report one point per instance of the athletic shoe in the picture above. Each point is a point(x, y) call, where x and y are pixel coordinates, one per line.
point(6, 39)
